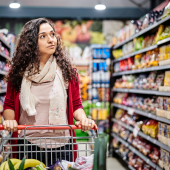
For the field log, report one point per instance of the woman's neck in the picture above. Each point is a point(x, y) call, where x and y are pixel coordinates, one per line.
point(43, 60)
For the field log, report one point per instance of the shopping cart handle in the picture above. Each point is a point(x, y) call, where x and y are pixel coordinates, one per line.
point(40, 127)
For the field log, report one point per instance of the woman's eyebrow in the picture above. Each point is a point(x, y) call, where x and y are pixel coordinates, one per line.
point(45, 32)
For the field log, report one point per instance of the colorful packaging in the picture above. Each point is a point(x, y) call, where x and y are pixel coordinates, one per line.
point(167, 78)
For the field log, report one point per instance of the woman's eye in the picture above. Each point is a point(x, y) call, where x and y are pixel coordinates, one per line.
point(42, 36)
point(52, 34)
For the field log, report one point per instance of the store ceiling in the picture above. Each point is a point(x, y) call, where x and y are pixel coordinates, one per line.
point(76, 3)
point(76, 9)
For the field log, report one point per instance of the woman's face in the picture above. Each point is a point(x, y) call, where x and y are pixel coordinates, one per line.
point(47, 40)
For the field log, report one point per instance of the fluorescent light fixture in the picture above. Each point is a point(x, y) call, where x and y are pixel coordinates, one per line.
point(100, 7)
point(14, 4)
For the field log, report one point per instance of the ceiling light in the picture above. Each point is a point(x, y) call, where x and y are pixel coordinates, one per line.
point(100, 7)
point(14, 4)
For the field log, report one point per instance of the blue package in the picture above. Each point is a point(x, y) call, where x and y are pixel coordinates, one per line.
point(95, 55)
point(94, 67)
point(101, 66)
point(99, 53)
point(106, 53)
point(105, 67)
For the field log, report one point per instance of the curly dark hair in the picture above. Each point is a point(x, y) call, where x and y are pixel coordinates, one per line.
point(27, 55)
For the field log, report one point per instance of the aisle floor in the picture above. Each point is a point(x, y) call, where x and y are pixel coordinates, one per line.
point(114, 164)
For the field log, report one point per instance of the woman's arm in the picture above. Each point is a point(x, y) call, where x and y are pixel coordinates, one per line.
point(82, 120)
point(78, 112)
point(9, 122)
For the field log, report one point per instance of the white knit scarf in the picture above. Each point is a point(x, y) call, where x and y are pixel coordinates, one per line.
point(58, 95)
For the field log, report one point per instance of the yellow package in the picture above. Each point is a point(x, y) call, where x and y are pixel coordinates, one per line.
point(167, 78)
point(104, 114)
point(154, 131)
point(94, 114)
point(119, 112)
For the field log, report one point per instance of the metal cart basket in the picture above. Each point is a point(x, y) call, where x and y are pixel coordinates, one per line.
point(46, 147)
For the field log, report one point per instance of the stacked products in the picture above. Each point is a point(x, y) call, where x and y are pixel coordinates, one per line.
point(151, 81)
point(158, 56)
point(144, 22)
point(4, 67)
point(4, 50)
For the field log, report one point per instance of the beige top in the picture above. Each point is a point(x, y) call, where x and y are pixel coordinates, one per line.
point(42, 93)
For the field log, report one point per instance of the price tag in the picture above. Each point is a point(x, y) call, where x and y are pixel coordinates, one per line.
point(135, 131)
point(130, 111)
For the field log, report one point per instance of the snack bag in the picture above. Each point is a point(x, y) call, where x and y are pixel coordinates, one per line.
point(167, 78)
point(166, 11)
point(158, 34)
point(57, 166)
point(84, 163)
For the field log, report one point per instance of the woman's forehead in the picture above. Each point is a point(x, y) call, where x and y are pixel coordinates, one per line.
point(45, 27)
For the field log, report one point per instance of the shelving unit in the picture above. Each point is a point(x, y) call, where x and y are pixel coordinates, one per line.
point(140, 133)
point(140, 112)
point(146, 159)
point(5, 43)
point(143, 32)
point(165, 67)
point(143, 50)
point(139, 91)
point(114, 106)
point(135, 53)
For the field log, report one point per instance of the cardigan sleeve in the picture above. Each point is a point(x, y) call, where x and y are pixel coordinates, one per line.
point(9, 99)
point(76, 98)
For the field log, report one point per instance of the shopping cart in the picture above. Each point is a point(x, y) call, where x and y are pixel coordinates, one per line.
point(48, 148)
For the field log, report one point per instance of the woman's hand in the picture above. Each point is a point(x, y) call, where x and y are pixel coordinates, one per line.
point(11, 126)
point(86, 124)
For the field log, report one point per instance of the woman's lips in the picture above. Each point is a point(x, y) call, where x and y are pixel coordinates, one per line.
point(51, 46)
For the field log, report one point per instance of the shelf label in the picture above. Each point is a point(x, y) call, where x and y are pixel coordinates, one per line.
point(131, 111)
point(136, 131)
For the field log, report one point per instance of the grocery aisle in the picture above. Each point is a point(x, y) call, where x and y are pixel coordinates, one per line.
point(114, 164)
point(141, 92)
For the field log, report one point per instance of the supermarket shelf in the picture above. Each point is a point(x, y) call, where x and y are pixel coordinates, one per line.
point(163, 41)
point(140, 112)
point(141, 70)
point(152, 140)
point(3, 91)
point(120, 139)
point(139, 91)
point(81, 62)
point(3, 72)
point(147, 160)
point(142, 32)
point(3, 55)
point(135, 53)
point(6, 44)
point(131, 168)
point(100, 46)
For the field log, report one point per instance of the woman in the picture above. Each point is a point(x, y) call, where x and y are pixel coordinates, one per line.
point(43, 87)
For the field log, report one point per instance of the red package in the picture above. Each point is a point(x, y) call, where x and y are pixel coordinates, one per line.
point(154, 155)
point(146, 167)
point(130, 63)
point(139, 164)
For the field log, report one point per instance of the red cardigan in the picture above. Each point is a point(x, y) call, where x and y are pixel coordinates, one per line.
point(73, 103)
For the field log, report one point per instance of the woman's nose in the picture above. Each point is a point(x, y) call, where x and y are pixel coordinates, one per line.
point(50, 39)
